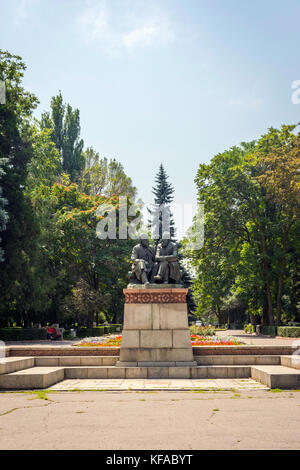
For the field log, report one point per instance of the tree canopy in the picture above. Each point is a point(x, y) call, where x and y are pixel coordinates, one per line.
point(50, 190)
point(249, 260)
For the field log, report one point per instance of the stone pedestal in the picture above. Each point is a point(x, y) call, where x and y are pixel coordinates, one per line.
point(155, 331)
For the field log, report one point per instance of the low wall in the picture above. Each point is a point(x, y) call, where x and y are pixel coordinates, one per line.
point(32, 351)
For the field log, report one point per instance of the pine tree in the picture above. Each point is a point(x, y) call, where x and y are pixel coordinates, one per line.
point(163, 197)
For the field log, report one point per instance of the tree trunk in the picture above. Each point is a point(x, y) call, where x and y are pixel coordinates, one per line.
point(281, 277)
point(268, 287)
point(218, 313)
point(90, 319)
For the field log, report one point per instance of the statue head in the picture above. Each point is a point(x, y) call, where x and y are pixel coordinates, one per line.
point(144, 240)
point(166, 237)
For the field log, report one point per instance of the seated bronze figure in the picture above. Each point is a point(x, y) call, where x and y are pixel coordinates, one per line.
point(150, 267)
point(167, 267)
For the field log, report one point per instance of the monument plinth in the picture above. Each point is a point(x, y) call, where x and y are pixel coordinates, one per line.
point(155, 330)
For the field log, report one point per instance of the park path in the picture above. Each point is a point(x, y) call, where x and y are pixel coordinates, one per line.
point(258, 340)
point(253, 419)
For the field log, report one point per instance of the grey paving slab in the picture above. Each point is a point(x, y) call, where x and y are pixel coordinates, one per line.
point(144, 384)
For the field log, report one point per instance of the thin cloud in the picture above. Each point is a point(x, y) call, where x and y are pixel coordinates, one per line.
point(127, 27)
point(23, 10)
point(245, 103)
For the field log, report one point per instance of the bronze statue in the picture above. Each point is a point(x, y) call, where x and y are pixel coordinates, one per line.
point(167, 267)
point(143, 257)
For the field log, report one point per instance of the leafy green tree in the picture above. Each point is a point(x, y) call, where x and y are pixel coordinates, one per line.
point(64, 123)
point(279, 159)
point(105, 177)
point(250, 215)
point(3, 202)
point(75, 255)
point(18, 240)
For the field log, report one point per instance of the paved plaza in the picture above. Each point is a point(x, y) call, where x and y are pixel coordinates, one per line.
point(240, 419)
point(160, 414)
point(158, 384)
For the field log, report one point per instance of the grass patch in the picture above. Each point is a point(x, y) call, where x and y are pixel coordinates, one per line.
point(40, 395)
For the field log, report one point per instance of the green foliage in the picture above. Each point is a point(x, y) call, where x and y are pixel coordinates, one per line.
point(163, 196)
point(101, 317)
point(289, 331)
point(248, 264)
point(203, 330)
point(55, 269)
point(103, 177)
point(249, 329)
point(266, 330)
point(19, 239)
point(22, 334)
point(64, 124)
point(97, 331)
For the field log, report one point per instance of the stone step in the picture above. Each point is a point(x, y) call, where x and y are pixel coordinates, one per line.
point(274, 376)
point(42, 376)
point(61, 361)
point(35, 377)
point(277, 376)
point(242, 360)
point(127, 372)
point(223, 371)
point(213, 372)
point(291, 361)
point(13, 364)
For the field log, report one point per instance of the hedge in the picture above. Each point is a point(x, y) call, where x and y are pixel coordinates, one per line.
point(289, 331)
point(22, 334)
point(266, 330)
point(97, 330)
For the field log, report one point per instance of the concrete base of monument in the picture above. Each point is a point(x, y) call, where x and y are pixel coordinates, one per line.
point(156, 332)
point(156, 364)
point(155, 286)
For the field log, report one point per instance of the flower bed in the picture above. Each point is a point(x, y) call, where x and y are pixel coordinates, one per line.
point(103, 341)
point(115, 341)
point(214, 341)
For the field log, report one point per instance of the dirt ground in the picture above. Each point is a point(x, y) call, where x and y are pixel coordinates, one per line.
point(150, 420)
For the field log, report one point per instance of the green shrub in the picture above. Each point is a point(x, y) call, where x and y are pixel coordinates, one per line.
point(203, 330)
point(249, 329)
point(22, 334)
point(266, 330)
point(97, 331)
point(289, 331)
point(101, 318)
point(237, 326)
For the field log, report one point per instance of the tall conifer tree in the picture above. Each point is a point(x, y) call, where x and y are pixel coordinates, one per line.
point(163, 197)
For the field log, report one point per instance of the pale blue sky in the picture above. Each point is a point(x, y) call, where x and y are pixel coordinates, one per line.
point(172, 81)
